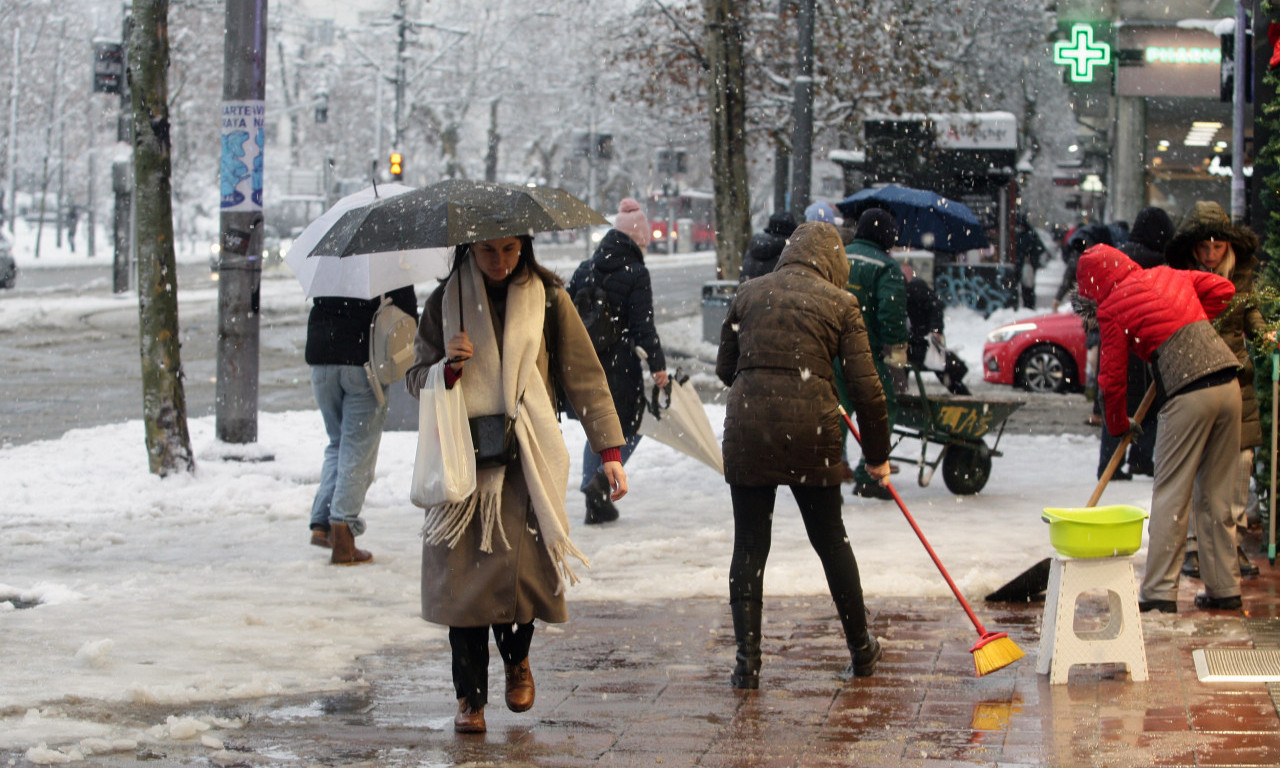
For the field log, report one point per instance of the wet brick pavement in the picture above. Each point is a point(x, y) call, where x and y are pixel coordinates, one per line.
point(646, 685)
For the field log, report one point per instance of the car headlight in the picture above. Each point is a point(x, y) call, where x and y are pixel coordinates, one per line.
point(1006, 332)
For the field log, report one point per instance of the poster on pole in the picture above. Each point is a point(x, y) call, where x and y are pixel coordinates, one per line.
point(243, 134)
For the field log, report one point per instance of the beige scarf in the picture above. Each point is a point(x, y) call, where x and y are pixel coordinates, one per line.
point(508, 383)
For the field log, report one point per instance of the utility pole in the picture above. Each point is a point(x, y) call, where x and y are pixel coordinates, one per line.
point(1239, 110)
point(402, 46)
point(802, 138)
point(240, 260)
point(11, 182)
point(122, 176)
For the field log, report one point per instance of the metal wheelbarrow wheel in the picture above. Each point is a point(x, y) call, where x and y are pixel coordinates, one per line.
point(966, 468)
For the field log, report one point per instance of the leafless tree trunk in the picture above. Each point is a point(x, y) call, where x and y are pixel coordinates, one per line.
point(726, 100)
point(164, 405)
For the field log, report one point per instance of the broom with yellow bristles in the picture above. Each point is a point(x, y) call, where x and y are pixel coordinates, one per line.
point(994, 650)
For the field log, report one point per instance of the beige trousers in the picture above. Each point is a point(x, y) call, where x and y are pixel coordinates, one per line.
point(1197, 453)
point(1239, 500)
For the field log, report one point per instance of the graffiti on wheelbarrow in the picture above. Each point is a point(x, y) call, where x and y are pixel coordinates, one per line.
point(981, 287)
point(967, 421)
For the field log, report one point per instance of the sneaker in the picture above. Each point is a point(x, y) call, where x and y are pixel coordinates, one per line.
point(1191, 564)
point(872, 490)
point(1204, 602)
point(1163, 606)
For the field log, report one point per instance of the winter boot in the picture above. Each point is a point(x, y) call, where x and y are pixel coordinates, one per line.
point(469, 719)
point(520, 688)
point(1247, 568)
point(320, 538)
point(866, 654)
point(599, 507)
point(344, 547)
point(746, 631)
point(1191, 564)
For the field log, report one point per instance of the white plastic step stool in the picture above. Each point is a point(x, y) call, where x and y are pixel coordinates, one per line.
point(1120, 641)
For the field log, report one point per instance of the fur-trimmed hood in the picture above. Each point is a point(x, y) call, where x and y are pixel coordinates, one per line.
point(1207, 221)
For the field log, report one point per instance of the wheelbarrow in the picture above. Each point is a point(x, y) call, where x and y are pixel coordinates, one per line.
point(954, 427)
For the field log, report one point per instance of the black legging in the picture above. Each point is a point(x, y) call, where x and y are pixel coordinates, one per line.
point(471, 656)
point(820, 510)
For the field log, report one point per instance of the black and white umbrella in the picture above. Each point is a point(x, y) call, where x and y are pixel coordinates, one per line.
point(453, 212)
point(366, 274)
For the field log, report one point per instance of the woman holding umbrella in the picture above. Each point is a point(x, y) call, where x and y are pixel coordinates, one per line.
point(506, 329)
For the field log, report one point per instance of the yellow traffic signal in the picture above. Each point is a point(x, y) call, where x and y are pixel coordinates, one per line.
point(396, 165)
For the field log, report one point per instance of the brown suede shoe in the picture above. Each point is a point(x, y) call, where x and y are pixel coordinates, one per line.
point(519, 686)
point(468, 720)
point(344, 547)
point(320, 538)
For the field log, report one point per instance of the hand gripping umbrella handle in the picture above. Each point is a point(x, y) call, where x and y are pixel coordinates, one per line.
point(920, 534)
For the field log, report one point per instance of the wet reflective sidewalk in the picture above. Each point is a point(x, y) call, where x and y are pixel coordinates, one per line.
point(646, 685)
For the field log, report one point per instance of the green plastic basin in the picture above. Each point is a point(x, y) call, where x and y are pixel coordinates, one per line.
point(1108, 531)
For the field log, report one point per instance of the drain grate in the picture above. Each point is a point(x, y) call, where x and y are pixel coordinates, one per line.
point(1238, 665)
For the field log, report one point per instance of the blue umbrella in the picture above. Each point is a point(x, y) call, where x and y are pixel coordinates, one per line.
point(925, 219)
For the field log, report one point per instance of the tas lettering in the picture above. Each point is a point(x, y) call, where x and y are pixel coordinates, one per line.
point(391, 335)
point(592, 303)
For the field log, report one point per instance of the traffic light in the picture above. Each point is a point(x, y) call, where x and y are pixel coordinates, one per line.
point(395, 165)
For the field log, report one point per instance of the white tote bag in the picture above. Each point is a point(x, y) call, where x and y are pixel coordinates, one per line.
point(445, 468)
point(935, 354)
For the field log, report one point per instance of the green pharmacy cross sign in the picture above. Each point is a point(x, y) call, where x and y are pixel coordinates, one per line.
point(1081, 53)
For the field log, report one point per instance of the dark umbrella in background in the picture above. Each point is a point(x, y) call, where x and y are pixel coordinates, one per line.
point(454, 212)
point(925, 219)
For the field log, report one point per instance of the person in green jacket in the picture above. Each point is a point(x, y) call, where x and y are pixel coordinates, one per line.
point(876, 280)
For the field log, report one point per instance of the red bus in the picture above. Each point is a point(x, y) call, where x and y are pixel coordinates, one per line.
point(693, 210)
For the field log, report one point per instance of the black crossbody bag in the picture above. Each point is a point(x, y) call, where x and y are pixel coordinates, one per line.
point(494, 439)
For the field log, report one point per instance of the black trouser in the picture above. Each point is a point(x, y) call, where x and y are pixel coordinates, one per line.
point(471, 656)
point(820, 510)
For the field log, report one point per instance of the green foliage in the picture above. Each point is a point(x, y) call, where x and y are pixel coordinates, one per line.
point(1267, 284)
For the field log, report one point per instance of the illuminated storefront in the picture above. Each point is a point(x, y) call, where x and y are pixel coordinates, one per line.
point(1147, 90)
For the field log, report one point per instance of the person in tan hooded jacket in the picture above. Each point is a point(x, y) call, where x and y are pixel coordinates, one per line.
point(782, 427)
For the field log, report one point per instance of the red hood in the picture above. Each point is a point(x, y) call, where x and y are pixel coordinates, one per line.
point(1100, 269)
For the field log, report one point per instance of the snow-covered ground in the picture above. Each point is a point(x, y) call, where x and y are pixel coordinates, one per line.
point(118, 586)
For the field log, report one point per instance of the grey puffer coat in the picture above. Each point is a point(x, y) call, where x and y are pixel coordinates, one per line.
point(1242, 320)
point(777, 344)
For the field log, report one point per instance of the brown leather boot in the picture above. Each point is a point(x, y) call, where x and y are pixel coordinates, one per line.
point(344, 547)
point(519, 686)
point(468, 720)
point(320, 538)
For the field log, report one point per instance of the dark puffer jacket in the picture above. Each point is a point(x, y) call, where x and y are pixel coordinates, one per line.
point(765, 247)
point(777, 344)
point(1242, 321)
point(1161, 315)
point(625, 279)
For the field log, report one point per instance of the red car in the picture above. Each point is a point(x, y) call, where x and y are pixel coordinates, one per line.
point(1045, 353)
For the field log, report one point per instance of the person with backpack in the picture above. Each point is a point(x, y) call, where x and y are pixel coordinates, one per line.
point(354, 413)
point(615, 298)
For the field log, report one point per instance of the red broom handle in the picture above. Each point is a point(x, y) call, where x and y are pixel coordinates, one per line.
point(941, 569)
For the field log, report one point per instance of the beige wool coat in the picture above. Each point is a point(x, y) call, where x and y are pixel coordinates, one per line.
point(462, 586)
point(777, 345)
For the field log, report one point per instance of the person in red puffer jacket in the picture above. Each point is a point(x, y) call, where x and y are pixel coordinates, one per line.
point(1162, 315)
